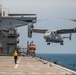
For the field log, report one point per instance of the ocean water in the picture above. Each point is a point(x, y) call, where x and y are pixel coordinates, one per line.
point(65, 60)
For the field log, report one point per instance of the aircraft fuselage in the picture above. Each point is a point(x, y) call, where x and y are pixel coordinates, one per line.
point(52, 36)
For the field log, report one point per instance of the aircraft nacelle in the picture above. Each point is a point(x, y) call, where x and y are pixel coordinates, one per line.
point(30, 26)
point(30, 34)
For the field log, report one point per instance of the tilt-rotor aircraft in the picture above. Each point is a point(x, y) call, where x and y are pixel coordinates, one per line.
point(52, 36)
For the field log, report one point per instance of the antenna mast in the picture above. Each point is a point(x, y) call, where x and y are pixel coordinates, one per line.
point(0, 9)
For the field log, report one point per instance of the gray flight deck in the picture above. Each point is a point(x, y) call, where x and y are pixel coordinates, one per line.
point(30, 66)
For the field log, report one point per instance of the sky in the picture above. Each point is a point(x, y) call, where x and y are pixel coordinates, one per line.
point(46, 9)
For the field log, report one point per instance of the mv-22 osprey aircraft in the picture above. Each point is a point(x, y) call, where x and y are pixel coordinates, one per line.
point(51, 36)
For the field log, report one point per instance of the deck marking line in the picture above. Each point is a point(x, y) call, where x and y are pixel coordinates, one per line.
point(19, 60)
point(16, 66)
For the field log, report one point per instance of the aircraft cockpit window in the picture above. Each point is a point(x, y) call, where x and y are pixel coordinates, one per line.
point(52, 33)
point(55, 33)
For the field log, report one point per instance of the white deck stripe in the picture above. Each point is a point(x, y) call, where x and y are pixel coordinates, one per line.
point(16, 66)
point(19, 60)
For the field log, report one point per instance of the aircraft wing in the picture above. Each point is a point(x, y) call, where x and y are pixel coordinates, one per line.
point(65, 31)
point(39, 30)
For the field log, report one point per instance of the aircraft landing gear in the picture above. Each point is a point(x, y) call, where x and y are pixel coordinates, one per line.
point(61, 43)
point(48, 43)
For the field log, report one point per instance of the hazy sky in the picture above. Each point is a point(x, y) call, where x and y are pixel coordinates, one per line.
point(46, 9)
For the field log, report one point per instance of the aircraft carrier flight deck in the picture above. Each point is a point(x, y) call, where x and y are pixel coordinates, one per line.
point(30, 66)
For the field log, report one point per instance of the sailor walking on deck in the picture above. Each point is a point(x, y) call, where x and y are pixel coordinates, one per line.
point(15, 54)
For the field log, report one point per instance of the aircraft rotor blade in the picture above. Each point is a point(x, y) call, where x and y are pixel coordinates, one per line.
point(42, 19)
point(74, 20)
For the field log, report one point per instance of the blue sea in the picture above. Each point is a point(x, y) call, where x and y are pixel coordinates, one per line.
point(65, 60)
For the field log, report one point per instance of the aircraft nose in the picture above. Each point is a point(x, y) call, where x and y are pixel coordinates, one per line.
point(47, 36)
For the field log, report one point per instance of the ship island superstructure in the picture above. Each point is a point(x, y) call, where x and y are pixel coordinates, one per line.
point(8, 31)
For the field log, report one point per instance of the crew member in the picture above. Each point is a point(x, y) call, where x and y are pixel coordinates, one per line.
point(15, 54)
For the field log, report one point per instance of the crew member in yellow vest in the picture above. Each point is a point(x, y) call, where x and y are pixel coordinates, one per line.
point(15, 54)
